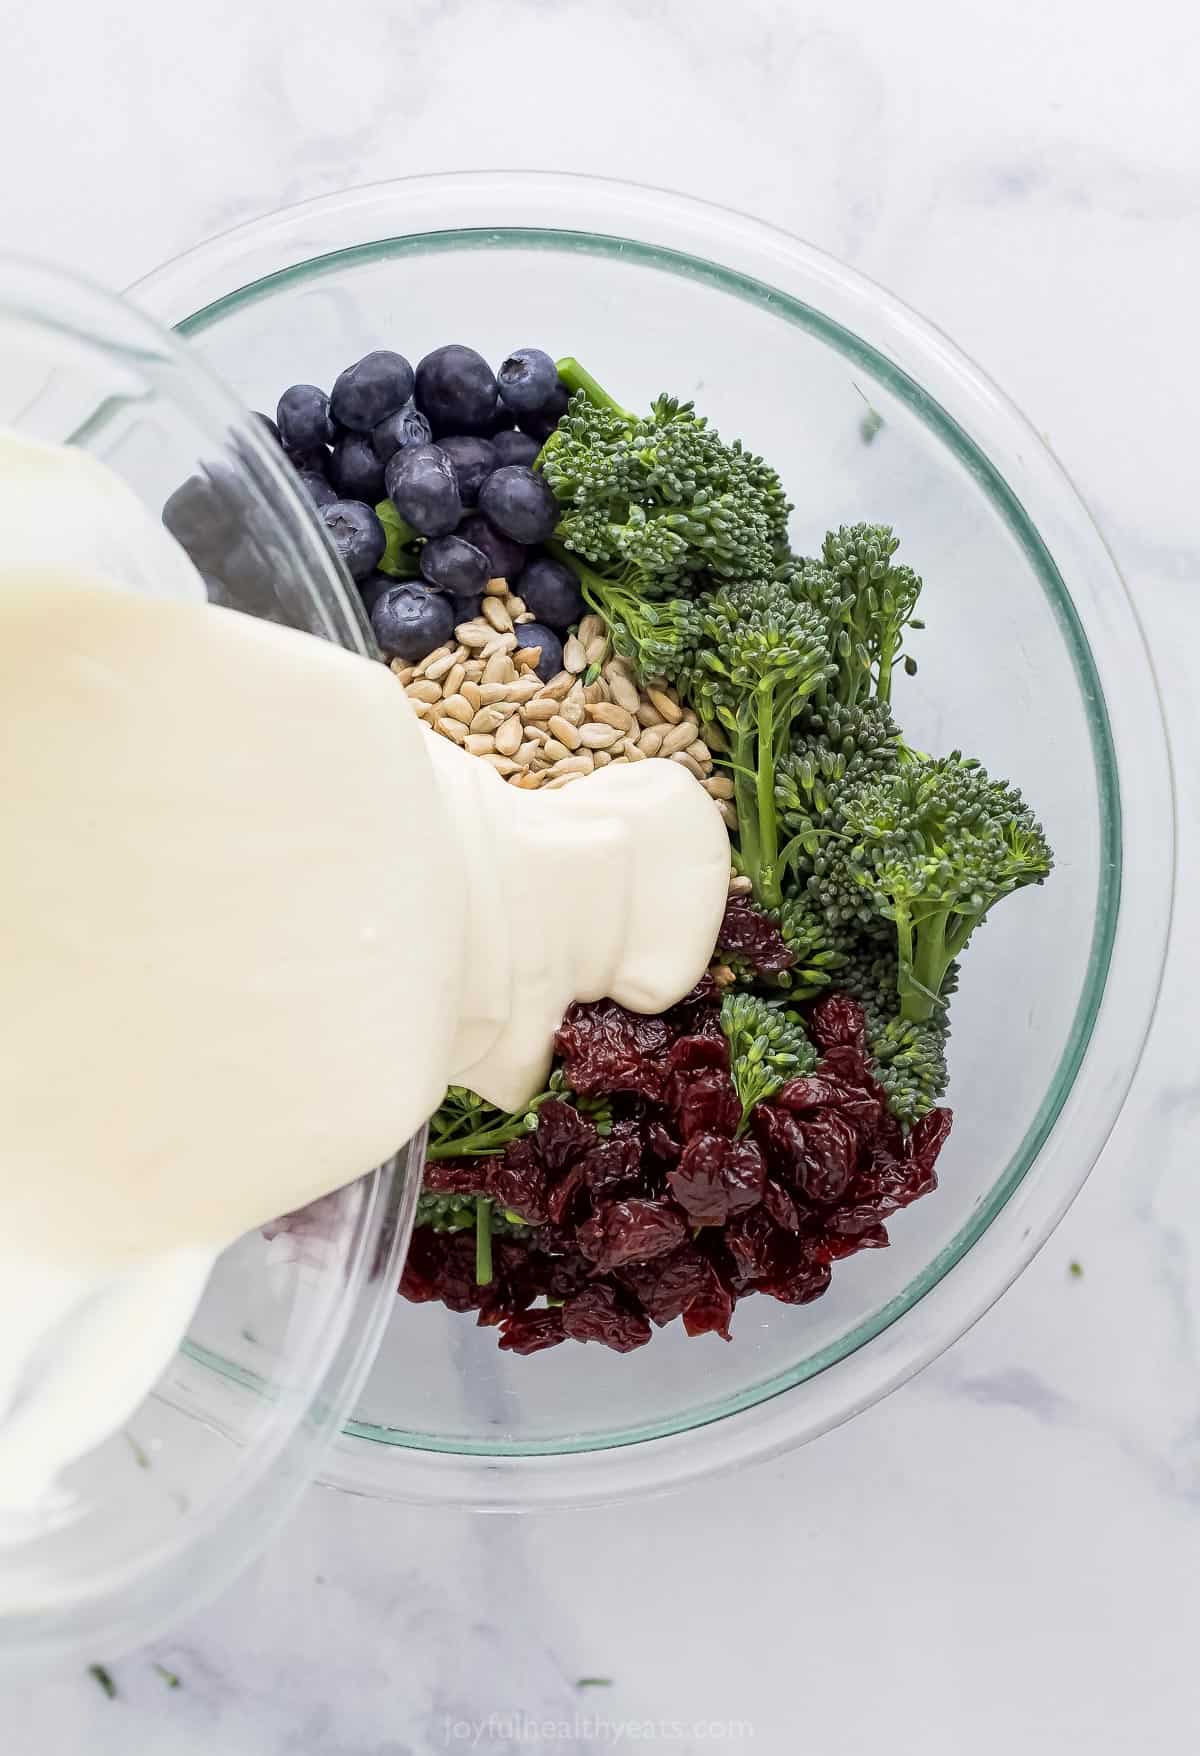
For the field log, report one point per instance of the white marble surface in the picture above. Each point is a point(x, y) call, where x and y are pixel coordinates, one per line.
point(1005, 1555)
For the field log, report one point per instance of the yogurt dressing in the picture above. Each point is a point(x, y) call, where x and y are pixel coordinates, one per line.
point(252, 921)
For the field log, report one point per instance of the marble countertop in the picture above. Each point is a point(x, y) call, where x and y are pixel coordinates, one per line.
point(1006, 1554)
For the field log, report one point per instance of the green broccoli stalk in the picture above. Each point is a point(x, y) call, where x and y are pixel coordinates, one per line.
point(866, 603)
point(763, 653)
point(933, 847)
point(652, 499)
point(767, 1047)
point(483, 1241)
point(467, 1127)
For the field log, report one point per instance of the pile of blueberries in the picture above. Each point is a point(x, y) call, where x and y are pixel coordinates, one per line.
point(451, 446)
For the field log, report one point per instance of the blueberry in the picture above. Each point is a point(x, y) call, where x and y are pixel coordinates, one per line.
point(519, 503)
point(303, 417)
point(505, 558)
point(316, 487)
point(410, 621)
point(474, 460)
point(466, 608)
point(314, 459)
point(357, 535)
point(370, 390)
point(456, 391)
point(551, 591)
point(269, 424)
point(456, 566)
point(533, 634)
point(202, 515)
point(406, 427)
point(513, 447)
point(372, 588)
point(354, 469)
point(423, 488)
point(540, 423)
point(527, 380)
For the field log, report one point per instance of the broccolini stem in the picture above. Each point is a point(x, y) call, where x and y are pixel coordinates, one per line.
point(577, 377)
point(745, 792)
point(483, 1241)
point(926, 974)
point(768, 891)
point(887, 661)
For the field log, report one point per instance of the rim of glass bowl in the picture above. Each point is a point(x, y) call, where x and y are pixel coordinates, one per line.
point(749, 260)
point(131, 1599)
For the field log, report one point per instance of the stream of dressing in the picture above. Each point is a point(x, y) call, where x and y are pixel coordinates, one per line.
point(252, 921)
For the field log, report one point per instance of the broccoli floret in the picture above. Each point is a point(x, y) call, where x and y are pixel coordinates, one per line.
point(654, 498)
point(866, 602)
point(767, 1047)
point(820, 950)
point(467, 1127)
point(932, 847)
point(834, 749)
point(910, 1063)
point(763, 653)
point(659, 638)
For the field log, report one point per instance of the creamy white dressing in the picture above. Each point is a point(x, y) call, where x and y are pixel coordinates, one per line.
point(253, 919)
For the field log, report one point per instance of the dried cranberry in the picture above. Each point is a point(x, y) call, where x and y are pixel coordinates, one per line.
point(562, 1134)
point(422, 1266)
point(836, 1020)
point(666, 1286)
point(704, 1103)
point(848, 1062)
point(749, 1238)
point(927, 1139)
point(813, 1093)
point(781, 1206)
point(563, 1194)
point(455, 1176)
point(856, 1220)
point(698, 1013)
point(710, 1312)
point(690, 1054)
point(874, 1238)
point(614, 1163)
point(567, 1274)
point(606, 1049)
point(441, 1265)
point(830, 1156)
point(631, 1231)
point(753, 938)
point(796, 1276)
point(528, 1332)
point(716, 1177)
point(596, 1314)
point(518, 1181)
point(661, 1144)
point(780, 1136)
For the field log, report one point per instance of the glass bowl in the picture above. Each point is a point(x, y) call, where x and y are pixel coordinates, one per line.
point(171, 1506)
point(1033, 660)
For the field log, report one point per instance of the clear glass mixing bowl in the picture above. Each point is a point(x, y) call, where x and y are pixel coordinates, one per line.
point(1032, 659)
point(167, 1510)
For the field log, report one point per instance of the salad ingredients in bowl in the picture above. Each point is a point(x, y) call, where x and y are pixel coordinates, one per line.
point(773, 1121)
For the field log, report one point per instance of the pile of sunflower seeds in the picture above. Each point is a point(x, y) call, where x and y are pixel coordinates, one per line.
point(483, 693)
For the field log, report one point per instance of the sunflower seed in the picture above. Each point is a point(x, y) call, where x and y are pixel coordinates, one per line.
point(596, 737)
point(479, 743)
point(685, 761)
point(524, 689)
point(508, 738)
point(540, 709)
point(650, 742)
point(610, 715)
point(623, 692)
point(601, 758)
point(526, 657)
point(554, 750)
point(495, 613)
point(564, 731)
point(454, 679)
point(574, 657)
point(718, 786)
point(473, 693)
point(502, 764)
point(458, 707)
point(590, 627)
point(422, 709)
point(499, 669)
point(474, 669)
point(580, 764)
point(528, 780)
point(423, 690)
point(515, 607)
point(436, 665)
point(648, 714)
point(499, 643)
point(739, 885)
point(728, 813)
point(402, 673)
point(559, 686)
point(631, 752)
point(596, 648)
point(451, 728)
point(596, 692)
point(669, 708)
point(678, 737)
point(496, 588)
point(475, 635)
point(700, 752)
point(561, 780)
point(488, 719)
point(526, 752)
